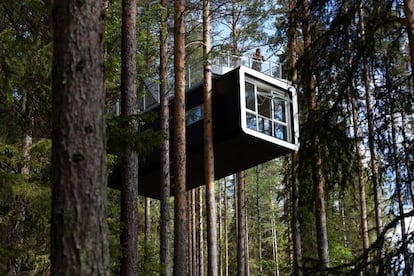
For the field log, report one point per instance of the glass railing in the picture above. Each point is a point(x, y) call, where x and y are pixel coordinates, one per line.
point(228, 62)
point(223, 63)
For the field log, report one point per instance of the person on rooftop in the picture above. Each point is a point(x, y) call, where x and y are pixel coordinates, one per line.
point(258, 58)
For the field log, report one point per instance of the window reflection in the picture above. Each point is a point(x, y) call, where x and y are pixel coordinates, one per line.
point(193, 115)
point(279, 109)
point(250, 98)
point(251, 121)
point(280, 131)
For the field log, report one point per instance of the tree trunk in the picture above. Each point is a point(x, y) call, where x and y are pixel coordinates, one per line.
point(129, 159)
point(165, 146)
point(259, 223)
point(234, 36)
point(288, 210)
point(275, 246)
point(360, 170)
point(296, 235)
point(407, 160)
point(225, 230)
point(200, 232)
point(27, 144)
point(241, 226)
point(194, 232)
point(246, 240)
point(79, 243)
point(317, 175)
point(409, 16)
point(190, 227)
point(398, 186)
point(371, 135)
point(147, 200)
point(208, 148)
point(147, 231)
point(180, 214)
point(220, 232)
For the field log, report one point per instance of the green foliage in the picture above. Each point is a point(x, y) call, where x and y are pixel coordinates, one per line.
point(114, 228)
point(40, 154)
point(24, 224)
point(265, 186)
point(25, 208)
point(112, 42)
point(149, 252)
point(121, 137)
point(10, 157)
point(25, 68)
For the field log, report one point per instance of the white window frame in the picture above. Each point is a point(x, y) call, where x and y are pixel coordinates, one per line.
point(276, 88)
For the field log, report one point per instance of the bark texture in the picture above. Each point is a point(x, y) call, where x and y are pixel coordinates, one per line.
point(165, 146)
point(212, 269)
point(296, 236)
point(317, 175)
point(180, 209)
point(78, 226)
point(129, 160)
point(241, 226)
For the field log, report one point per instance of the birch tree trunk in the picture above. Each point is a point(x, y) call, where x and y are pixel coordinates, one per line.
point(129, 159)
point(78, 225)
point(27, 144)
point(165, 146)
point(180, 210)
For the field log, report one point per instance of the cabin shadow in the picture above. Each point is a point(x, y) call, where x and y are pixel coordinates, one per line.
point(255, 119)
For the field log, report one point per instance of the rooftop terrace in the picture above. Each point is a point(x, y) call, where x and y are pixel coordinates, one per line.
point(224, 62)
point(221, 64)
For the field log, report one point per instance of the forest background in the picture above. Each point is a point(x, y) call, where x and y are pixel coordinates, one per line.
point(351, 62)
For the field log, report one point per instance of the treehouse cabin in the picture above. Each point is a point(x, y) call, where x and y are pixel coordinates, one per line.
point(255, 119)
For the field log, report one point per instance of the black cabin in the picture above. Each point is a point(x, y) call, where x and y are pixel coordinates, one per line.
point(255, 119)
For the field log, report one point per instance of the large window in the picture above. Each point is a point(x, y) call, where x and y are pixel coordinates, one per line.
point(267, 110)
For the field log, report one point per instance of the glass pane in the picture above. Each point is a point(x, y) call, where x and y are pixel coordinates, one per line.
point(280, 132)
point(251, 121)
point(279, 109)
point(250, 98)
point(265, 126)
point(194, 115)
point(264, 106)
